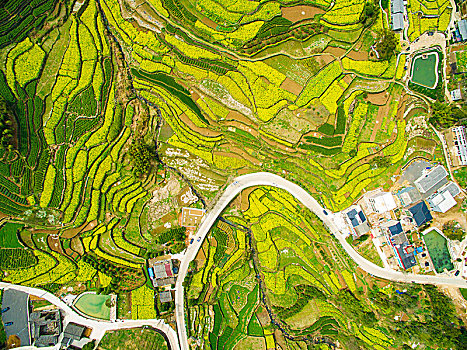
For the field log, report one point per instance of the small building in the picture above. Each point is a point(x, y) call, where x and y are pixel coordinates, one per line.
point(165, 297)
point(403, 250)
point(356, 220)
point(397, 22)
point(161, 282)
point(46, 327)
point(381, 202)
point(443, 199)
point(431, 178)
point(420, 213)
point(462, 27)
point(408, 196)
point(397, 15)
point(456, 95)
point(457, 143)
point(73, 332)
point(392, 227)
point(163, 269)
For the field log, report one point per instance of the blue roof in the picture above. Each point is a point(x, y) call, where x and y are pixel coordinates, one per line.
point(362, 216)
point(420, 213)
point(395, 229)
point(354, 222)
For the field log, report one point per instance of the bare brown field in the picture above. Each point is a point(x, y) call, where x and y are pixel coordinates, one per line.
point(358, 55)
point(335, 51)
point(300, 12)
point(202, 131)
point(291, 86)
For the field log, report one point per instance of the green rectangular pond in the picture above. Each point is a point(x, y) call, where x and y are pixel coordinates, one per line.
point(425, 69)
point(94, 305)
point(437, 247)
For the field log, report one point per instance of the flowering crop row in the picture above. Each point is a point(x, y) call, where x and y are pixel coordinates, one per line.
point(142, 303)
point(319, 83)
point(28, 64)
point(365, 67)
point(332, 94)
point(351, 137)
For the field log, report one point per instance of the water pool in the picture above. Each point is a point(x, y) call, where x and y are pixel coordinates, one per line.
point(94, 305)
point(425, 69)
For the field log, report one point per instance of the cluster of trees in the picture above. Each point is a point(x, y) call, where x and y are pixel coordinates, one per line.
point(305, 293)
point(276, 35)
point(369, 13)
point(453, 231)
point(386, 45)
point(6, 131)
point(380, 162)
point(445, 115)
point(355, 308)
point(117, 273)
point(141, 158)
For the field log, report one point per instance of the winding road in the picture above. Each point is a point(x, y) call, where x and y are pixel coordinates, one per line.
point(240, 183)
point(98, 327)
point(267, 179)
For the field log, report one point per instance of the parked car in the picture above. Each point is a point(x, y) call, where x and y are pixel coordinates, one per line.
point(191, 241)
point(8, 324)
point(457, 273)
point(5, 309)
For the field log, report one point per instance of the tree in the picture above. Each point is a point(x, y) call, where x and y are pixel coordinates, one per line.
point(381, 161)
point(386, 45)
point(141, 158)
point(453, 231)
point(90, 346)
point(445, 115)
point(369, 13)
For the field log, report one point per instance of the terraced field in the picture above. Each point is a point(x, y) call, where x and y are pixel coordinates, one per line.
point(115, 114)
point(280, 279)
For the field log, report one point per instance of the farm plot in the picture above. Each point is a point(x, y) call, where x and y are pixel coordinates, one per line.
point(306, 288)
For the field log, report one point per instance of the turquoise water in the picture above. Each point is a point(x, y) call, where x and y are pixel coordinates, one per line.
point(94, 305)
point(425, 70)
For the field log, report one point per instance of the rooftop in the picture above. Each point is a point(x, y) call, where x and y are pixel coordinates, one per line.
point(74, 331)
point(165, 297)
point(462, 25)
point(397, 6)
point(381, 202)
point(420, 213)
point(397, 21)
point(443, 200)
point(408, 196)
point(431, 178)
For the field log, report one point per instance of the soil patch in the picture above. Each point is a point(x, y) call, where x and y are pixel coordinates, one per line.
point(203, 131)
point(336, 51)
point(300, 12)
point(54, 244)
point(210, 23)
point(291, 86)
point(379, 99)
point(358, 55)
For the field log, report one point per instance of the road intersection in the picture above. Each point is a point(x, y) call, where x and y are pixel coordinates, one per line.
point(267, 179)
point(240, 183)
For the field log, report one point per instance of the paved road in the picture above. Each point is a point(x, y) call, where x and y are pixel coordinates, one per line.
point(268, 179)
point(98, 327)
